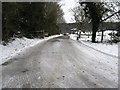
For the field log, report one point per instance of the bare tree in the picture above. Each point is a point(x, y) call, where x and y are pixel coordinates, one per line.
point(97, 12)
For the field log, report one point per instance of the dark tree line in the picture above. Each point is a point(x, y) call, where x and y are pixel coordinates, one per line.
point(28, 17)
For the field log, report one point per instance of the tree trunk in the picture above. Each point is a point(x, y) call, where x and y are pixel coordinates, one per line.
point(80, 34)
point(94, 30)
point(102, 36)
point(93, 36)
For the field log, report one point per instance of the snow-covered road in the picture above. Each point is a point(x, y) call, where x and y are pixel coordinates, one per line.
point(60, 63)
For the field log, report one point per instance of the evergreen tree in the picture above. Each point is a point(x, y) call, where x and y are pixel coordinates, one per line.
point(30, 17)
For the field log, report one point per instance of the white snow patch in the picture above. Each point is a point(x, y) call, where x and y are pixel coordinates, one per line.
point(18, 45)
point(73, 36)
point(106, 48)
point(111, 49)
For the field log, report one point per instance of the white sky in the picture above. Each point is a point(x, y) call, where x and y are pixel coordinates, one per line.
point(67, 5)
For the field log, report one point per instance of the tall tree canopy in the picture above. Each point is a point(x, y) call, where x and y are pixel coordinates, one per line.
point(96, 13)
point(28, 17)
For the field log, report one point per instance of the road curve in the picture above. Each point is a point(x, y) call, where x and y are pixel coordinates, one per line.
point(60, 63)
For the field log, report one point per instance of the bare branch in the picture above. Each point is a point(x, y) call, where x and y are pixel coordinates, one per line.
point(110, 16)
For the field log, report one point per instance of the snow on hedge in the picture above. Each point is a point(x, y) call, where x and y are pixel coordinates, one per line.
point(18, 45)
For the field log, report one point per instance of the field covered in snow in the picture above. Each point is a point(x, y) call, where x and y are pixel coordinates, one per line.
point(111, 49)
point(18, 45)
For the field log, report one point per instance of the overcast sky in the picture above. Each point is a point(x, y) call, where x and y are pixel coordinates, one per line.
point(67, 5)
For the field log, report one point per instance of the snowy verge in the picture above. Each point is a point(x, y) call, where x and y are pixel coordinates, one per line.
point(73, 36)
point(18, 45)
point(102, 47)
point(105, 48)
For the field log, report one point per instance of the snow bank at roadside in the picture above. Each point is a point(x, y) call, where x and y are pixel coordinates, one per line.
point(106, 48)
point(103, 47)
point(17, 45)
point(73, 36)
